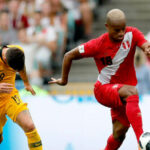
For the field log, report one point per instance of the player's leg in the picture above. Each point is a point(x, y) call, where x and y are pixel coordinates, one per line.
point(1, 138)
point(1, 131)
point(25, 121)
point(18, 112)
point(120, 127)
point(108, 96)
point(115, 140)
point(129, 95)
point(3, 120)
point(121, 95)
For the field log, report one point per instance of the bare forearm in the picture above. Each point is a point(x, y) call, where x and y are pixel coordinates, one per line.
point(25, 79)
point(24, 76)
point(67, 62)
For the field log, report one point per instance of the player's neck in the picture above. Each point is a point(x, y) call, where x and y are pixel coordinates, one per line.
point(113, 41)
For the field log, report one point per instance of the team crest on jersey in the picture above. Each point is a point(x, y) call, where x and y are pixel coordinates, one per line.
point(126, 45)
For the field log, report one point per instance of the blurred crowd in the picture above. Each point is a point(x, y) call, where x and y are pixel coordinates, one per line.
point(142, 66)
point(45, 29)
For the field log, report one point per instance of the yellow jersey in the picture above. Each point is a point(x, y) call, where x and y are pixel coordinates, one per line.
point(7, 75)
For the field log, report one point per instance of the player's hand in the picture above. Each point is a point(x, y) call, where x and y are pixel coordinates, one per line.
point(30, 89)
point(6, 88)
point(147, 50)
point(57, 81)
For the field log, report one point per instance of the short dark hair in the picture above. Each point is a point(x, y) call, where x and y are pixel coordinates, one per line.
point(15, 58)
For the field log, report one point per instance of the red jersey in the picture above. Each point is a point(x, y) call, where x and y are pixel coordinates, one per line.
point(115, 60)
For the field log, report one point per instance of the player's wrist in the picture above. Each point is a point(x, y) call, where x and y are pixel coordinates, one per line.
point(26, 83)
point(64, 81)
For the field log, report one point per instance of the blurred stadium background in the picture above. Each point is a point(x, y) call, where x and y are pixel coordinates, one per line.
point(68, 118)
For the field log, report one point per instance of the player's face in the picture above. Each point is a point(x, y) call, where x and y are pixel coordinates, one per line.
point(116, 30)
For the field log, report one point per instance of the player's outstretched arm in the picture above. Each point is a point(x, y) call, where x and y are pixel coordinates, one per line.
point(25, 79)
point(67, 61)
point(6, 88)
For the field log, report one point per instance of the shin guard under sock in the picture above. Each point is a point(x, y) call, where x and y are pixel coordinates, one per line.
point(134, 115)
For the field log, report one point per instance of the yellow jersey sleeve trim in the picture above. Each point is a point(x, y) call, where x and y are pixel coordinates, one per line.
point(9, 46)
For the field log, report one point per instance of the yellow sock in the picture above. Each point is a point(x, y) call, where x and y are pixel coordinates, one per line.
point(34, 140)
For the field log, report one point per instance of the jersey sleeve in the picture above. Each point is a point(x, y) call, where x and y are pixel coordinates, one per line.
point(91, 48)
point(139, 37)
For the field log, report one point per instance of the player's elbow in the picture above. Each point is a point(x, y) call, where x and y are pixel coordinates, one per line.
point(64, 83)
point(73, 54)
point(68, 56)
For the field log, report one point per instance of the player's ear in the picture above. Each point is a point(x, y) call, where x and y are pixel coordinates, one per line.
point(106, 25)
point(4, 58)
point(4, 55)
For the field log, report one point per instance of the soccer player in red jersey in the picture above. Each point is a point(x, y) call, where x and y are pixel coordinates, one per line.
point(113, 53)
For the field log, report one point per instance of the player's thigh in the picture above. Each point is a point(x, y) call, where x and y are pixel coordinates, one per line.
point(15, 105)
point(108, 95)
point(17, 110)
point(25, 121)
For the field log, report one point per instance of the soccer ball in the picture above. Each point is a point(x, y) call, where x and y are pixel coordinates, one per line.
point(144, 141)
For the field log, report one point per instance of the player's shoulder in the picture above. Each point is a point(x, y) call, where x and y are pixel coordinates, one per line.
point(98, 41)
point(103, 37)
point(17, 46)
point(131, 29)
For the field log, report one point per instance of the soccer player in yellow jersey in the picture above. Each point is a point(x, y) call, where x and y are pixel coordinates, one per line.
point(12, 60)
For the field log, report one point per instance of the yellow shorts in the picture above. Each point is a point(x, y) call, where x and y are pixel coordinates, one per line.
point(12, 108)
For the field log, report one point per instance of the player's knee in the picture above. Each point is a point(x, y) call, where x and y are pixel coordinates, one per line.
point(132, 91)
point(29, 127)
point(127, 91)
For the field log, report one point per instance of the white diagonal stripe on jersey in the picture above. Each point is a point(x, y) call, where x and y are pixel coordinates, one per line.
point(107, 72)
